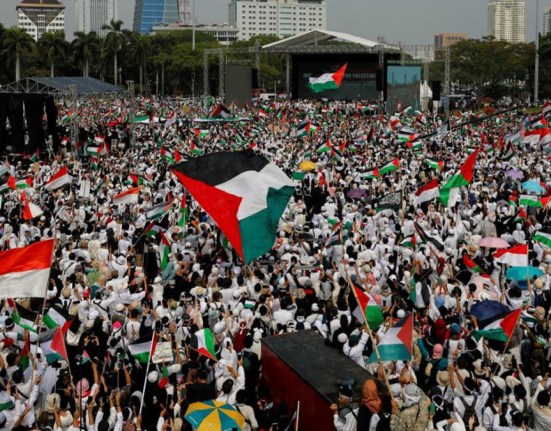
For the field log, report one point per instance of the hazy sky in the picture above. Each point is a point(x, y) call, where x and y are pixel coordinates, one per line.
point(410, 21)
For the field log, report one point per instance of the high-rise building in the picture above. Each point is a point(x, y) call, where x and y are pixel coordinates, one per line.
point(546, 20)
point(39, 16)
point(447, 39)
point(148, 13)
point(280, 18)
point(507, 20)
point(91, 15)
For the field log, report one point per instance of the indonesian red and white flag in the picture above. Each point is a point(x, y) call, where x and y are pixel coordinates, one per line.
point(31, 210)
point(24, 272)
point(427, 192)
point(128, 197)
point(514, 256)
point(61, 178)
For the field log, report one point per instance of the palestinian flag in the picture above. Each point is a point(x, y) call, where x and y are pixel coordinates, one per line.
point(262, 113)
point(57, 317)
point(435, 164)
point(513, 201)
point(521, 215)
point(159, 211)
point(531, 201)
point(184, 212)
point(137, 179)
point(425, 238)
point(153, 229)
point(5, 188)
point(546, 109)
point(450, 192)
point(514, 256)
point(298, 176)
point(58, 180)
point(24, 318)
point(372, 174)
point(57, 346)
point(24, 357)
point(164, 251)
point(416, 147)
point(130, 196)
point(324, 148)
point(167, 155)
point(473, 266)
point(4, 169)
point(390, 167)
point(6, 401)
point(407, 135)
point(35, 157)
point(370, 309)
point(20, 184)
point(201, 133)
point(170, 120)
point(544, 238)
point(177, 156)
point(205, 344)
point(427, 192)
point(195, 150)
point(143, 348)
point(305, 128)
point(408, 242)
point(221, 112)
point(396, 344)
point(24, 272)
point(94, 163)
point(500, 329)
point(327, 81)
point(244, 194)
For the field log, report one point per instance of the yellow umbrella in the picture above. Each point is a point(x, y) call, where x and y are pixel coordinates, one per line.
point(214, 416)
point(307, 166)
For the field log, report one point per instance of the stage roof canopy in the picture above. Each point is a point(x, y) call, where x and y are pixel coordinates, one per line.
point(315, 37)
point(59, 86)
point(84, 85)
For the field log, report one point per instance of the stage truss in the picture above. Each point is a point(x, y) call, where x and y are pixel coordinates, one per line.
point(424, 54)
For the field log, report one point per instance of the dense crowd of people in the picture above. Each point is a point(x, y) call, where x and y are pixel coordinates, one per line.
point(112, 286)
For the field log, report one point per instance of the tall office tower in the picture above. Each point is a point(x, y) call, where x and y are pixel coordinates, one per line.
point(148, 13)
point(39, 16)
point(281, 18)
point(507, 20)
point(546, 20)
point(91, 15)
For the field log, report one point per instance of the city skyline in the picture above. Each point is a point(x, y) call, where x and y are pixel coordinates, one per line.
point(411, 22)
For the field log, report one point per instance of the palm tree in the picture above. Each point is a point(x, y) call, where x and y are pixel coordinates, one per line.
point(161, 60)
point(115, 41)
point(86, 46)
point(53, 45)
point(16, 42)
point(140, 47)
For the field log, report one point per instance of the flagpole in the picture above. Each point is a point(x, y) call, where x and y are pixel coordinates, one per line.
point(370, 334)
point(298, 415)
point(147, 372)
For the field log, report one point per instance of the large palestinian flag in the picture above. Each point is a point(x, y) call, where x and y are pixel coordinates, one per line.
point(244, 194)
point(396, 344)
point(327, 81)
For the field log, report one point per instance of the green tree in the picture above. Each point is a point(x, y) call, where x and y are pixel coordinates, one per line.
point(115, 41)
point(53, 45)
point(16, 43)
point(140, 49)
point(160, 61)
point(87, 47)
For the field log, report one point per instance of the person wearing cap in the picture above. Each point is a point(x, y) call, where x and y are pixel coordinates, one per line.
point(345, 413)
point(355, 345)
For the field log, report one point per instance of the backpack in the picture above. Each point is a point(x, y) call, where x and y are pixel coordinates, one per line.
point(470, 412)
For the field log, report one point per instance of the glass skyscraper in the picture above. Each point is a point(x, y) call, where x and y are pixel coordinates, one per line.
point(153, 12)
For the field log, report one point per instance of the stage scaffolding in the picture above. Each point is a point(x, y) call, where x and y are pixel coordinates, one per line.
point(423, 53)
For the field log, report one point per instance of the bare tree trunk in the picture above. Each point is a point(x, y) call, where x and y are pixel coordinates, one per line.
point(17, 66)
point(157, 82)
point(141, 80)
point(52, 69)
point(86, 66)
point(116, 71)
point(162, 80)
